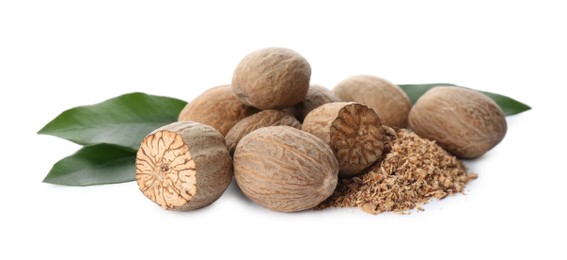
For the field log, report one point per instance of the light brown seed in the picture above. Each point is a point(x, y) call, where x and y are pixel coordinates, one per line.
point(285, 169)
point(261, 119)
point(272, 78)
point(353, 131)
point(183, 166)
point(465, 122)
point(389, 101)
point(217, 107)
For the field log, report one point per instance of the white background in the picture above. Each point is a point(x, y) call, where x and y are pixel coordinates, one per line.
point(55, 55)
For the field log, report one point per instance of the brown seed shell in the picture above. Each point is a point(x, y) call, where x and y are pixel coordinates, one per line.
point(353, 131)
point(183, 166)
point(389, 101)
point(261, 119)
point(217, 107)
point(465, 122)
point(272, 78)
point(285, 169)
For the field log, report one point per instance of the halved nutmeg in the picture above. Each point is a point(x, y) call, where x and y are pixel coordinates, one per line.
point(353, 131)
point(183, 166)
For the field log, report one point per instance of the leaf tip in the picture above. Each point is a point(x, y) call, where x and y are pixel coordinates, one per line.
point(42, 131)
point(48, 179)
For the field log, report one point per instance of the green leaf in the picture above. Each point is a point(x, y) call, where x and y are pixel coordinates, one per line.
point(509, 105)
point(123, 120)
point(414, 91)
point(92, 165)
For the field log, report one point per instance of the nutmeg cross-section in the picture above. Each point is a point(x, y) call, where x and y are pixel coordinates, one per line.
point(183, 166)
point(353, 131)
point(165, 170)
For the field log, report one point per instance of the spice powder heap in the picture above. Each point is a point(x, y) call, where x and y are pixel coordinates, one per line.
point(413, 170)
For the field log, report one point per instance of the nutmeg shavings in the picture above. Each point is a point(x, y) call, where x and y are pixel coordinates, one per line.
point(413, 171)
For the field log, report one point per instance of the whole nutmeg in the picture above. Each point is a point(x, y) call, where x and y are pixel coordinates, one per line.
point(183, 166)
point(389, 101)
point(353, 131)
point(272, 78)
point(217, 107)
point(465, 122)
point(316, 96)
point(285, 169)
point(261, 119)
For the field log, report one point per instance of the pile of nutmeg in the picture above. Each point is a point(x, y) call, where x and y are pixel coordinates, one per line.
point(288, 141)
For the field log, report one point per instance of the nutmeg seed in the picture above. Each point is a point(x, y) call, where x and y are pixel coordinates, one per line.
point(261, 119)
point(353, 131)
point(285, 169)
point(183, 166)
point(271, 78)
point(389, 101)
point(217, 107)
point(465, 122)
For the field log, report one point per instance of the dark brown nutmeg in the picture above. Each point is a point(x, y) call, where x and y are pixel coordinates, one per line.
point(353, 131)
